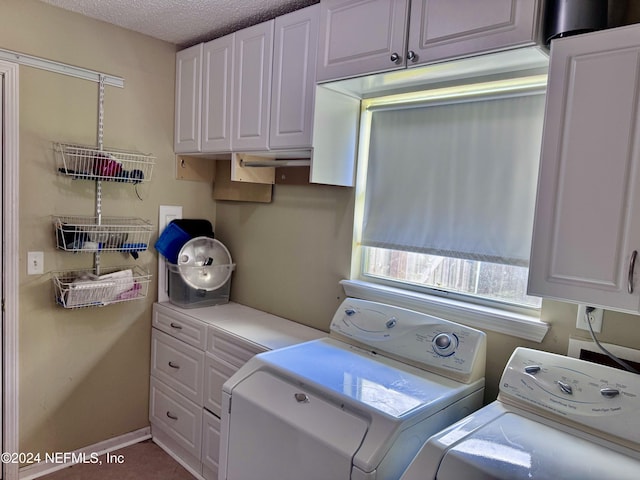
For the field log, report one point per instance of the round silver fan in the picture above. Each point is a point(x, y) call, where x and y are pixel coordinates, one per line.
point(204, 263)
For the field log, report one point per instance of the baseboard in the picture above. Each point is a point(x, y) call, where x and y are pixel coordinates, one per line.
point(116, 443)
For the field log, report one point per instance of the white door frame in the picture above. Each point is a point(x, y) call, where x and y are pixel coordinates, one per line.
point(10, 255)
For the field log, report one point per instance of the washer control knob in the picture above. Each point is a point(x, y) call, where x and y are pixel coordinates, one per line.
point(444, 344)
point(565, 387)
point(609, 392)
point(532, 369)
point(350, 312)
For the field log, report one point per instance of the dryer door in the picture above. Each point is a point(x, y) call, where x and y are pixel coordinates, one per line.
point(277, 430)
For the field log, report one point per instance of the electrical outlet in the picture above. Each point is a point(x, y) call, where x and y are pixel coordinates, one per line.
point(595, 316)
point(35, 263)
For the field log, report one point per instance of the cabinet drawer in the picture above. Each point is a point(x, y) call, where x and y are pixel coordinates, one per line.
point(216, 372)
point(210, 445)
point(230, 348)
point(177, 416)
point(178, 365)
point(180, 326)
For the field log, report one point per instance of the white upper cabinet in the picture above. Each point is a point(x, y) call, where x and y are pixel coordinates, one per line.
point(359, 37)
point(217, 91)
point(252, 93)
point(443, 29)
point(188, 98)
point(587, 222)
point(294, 74)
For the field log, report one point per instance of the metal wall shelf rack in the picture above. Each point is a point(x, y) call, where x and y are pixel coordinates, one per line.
point(96, 234)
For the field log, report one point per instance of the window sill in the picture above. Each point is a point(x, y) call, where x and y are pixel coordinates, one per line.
point(477, 316)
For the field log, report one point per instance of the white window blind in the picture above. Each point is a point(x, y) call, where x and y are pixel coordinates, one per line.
point(456, 180)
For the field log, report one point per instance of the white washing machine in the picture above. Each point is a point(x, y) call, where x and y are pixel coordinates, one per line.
point(555, 418)
point(357, 405)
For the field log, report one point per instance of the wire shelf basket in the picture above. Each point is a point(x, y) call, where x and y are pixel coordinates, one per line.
point(93, 234)
point(90, 163)
point(83, 288)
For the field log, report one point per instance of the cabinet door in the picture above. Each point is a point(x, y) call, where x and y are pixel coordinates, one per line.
point(210, 445)
point(252, 93)
point(217, 371)
point(442, 29)
point(217, 91)
point(294, 75)
point(587, 222)
point(179, 325)
point(178, 365)
point(180, 418)
point(361, 36)
point(188, 95)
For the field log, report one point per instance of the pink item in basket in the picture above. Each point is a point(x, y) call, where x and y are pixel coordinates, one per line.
point(133, 292)
point(106, 166)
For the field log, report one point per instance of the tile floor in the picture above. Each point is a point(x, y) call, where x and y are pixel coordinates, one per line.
point(142, 461)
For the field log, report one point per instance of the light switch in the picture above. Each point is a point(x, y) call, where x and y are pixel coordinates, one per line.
point(35, 263)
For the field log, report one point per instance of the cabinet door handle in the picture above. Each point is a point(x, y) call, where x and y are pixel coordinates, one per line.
point(632, 266)
point(411, 55)
point(395, 58)
point(173, 365)
point(176, 326)
point(172, 416)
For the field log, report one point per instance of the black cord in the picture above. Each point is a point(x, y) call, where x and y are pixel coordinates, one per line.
point(619, 361)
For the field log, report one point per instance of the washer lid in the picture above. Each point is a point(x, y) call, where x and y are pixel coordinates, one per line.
point(204, 263)
point(513, 447)
point(371, 381)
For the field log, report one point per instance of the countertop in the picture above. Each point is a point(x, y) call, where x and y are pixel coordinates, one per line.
point(261, 328)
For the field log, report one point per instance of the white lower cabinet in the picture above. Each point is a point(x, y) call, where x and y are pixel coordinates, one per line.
point(210, 445)
point(191, 358)
point(179, 417)
point(216, 373)
point(177, 364)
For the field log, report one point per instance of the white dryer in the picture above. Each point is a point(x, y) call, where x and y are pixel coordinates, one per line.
point(555, 418)
point(355, 406)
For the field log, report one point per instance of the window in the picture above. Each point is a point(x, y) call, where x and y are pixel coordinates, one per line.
point(446, 190)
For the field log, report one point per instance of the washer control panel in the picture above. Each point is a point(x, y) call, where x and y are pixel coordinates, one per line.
point(423, 340)
point(586, 393)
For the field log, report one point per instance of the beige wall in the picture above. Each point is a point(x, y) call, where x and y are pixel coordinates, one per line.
point(84, 373)
point(292, 253)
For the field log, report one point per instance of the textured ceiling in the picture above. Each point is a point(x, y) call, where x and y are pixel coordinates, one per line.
point(183, 22)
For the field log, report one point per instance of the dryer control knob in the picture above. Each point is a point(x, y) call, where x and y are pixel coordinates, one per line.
point(444, 344)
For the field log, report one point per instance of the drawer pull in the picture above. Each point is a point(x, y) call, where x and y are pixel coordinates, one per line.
point(632, 265)
point(172, 416)
point(174, 365)
point(177, 326)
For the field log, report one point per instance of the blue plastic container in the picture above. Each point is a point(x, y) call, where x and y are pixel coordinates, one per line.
point(170, 241)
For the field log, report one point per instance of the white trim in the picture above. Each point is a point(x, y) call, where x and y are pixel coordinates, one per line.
point(61, 68)
point(116, 443)
point(166, 214)
point(10, 216)
point(477, 316)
